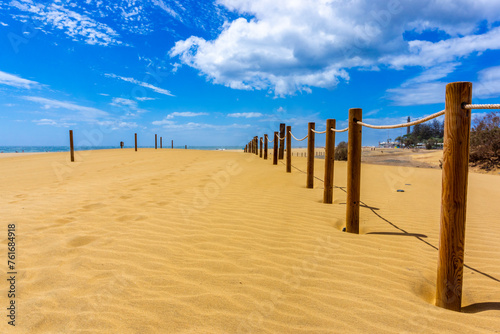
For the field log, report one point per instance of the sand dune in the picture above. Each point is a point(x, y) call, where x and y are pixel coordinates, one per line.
point(182, 241)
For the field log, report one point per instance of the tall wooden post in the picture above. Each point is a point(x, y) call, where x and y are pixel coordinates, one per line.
point(256, 141)
point(281, 153)
point(246, 147)
point(453, 196)
point(260, 154)
point(329, 161)
point(265, 147)
point(71, 147)
point(288, 149)
point(275, 150)
point(136, 142)
point(156, 141)
point(172, 143)
point(161, 144)
point(353, 170)
point(310, 155)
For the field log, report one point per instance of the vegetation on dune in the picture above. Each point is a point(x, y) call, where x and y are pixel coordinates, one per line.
point(430, 134)
point(341, 151)
point(485, 141)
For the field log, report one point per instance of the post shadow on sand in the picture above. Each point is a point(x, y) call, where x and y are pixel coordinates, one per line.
point(474, 308)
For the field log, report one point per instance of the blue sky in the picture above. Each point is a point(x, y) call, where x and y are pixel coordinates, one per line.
point(220, 72)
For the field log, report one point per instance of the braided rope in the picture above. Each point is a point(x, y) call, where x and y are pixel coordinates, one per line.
point(481, 106)
point(335, 130)
point(290, 132)
point(318, 132)
point(280, 138)
point(404, 125)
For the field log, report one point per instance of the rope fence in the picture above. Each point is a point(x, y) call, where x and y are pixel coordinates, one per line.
point(455, 166)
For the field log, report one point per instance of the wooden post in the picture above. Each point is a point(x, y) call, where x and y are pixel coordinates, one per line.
point(260, 154)
point(161, 145)
point(156, 142)
point(71, 147)
point(245, 150)
point(275, 150)
point(265, 147)
point(453, 196)
point(256, 141)
point(172, 143)
point(288, 149)
point(329, 161)
point(185, 147)
point(136, 142)
point(282, 142)
point(353, 170)
point(310, 156)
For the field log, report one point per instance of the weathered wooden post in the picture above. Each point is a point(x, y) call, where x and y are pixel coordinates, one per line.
point(245, 150)
point(275, 150)
point(136, 142)
point(260, 154)
point(71, 147)
point(156, 142)
point(256, 141)
point(353, 170)
point(161, 145)
point(310, 155)
point(282, 141)
point(454, 196)
point(329, 161)
point(288, 149)
point(265, 147)
point(172, 143)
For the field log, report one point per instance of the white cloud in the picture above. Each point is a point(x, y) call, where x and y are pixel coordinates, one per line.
point(51, 122)
point(73, 24)
point(84, 113)
point(142, 84)
point(195, 126)
point(488, 84)
point(4, 24)
point(15, 81)
point(104, 94)
point(292, 45)
point(185, 114)
point(281, 109)
point(142, 99)
point(245, 114)
point(166, 8)
point(424, 88)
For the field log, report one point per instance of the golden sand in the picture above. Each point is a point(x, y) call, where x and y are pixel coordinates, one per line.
point(184, 241)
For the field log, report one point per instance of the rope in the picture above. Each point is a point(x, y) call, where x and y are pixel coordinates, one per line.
point(335, 130)
point(318, 132)
point(282, 138)
point(481, 106)
point(296, 137)
point(425, 119)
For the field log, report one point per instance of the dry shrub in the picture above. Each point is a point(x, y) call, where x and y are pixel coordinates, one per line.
point(485, 141)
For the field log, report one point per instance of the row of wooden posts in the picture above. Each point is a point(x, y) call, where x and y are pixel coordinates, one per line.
point(72, 147)
point(454, 182)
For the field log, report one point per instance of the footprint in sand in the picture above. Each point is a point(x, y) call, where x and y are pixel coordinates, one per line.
point(81, 241)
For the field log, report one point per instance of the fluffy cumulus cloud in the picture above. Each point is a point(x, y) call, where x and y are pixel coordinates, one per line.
point(287, 46)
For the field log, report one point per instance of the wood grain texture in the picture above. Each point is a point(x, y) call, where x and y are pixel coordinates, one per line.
point(71, 146)
point(260, 143)
point(288, 150)
point(353, 170)
point(310, 155)
point(454, 196)
point(329, 162)
point(265, 147)
point(275, 151)
point(282, 141)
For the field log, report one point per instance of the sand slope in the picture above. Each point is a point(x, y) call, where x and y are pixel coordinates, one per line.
point(181, 241)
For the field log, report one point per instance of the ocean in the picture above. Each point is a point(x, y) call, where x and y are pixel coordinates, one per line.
point(28, 149)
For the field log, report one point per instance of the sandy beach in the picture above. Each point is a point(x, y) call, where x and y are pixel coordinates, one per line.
point(187, 241)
